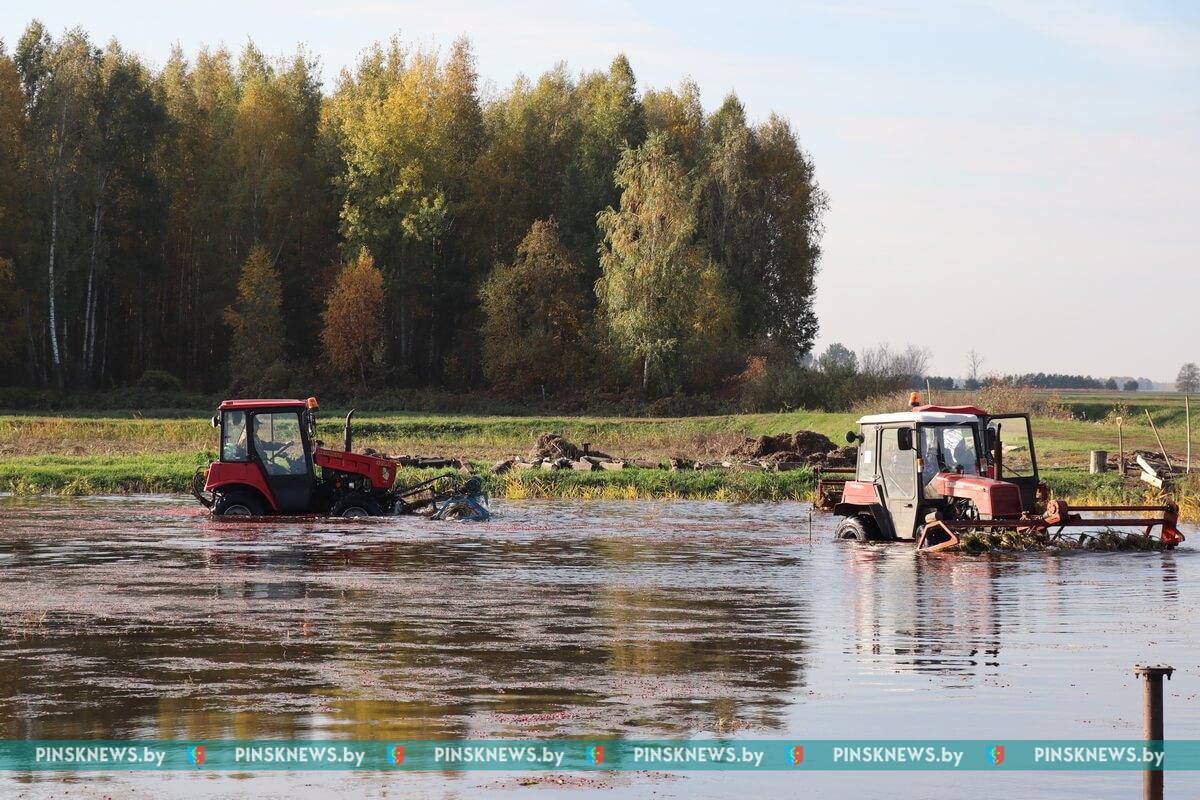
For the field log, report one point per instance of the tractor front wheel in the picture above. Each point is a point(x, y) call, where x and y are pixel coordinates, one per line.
point(859, 529)
point(238, 503)
point(356, 505)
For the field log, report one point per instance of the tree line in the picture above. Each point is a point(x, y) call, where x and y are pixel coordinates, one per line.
point(230, 222)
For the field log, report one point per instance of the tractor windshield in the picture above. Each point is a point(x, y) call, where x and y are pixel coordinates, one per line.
point(948, 448)
point(277, 442)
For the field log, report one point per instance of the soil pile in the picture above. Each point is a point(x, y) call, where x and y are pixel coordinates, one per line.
point(552, 447)
point(786, 447)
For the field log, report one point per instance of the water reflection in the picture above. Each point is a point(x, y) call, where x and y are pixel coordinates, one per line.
point(939, 615)
point(125, 620)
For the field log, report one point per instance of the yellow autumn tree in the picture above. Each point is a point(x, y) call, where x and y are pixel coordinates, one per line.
point(353, 318)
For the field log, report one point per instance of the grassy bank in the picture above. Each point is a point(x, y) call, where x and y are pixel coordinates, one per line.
point(91, 475)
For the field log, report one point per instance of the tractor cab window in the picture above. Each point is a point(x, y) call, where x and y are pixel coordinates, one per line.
point(897, 466)
point(948, 448)
point(278, 443)
point(233, 437)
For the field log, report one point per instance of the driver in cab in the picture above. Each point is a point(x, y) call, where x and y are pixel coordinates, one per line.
point(279, 458)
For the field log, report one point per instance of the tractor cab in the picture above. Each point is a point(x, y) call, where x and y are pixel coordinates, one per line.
point(934, 459)
point(267, 451)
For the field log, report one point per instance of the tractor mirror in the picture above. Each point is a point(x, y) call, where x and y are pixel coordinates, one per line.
point(853, 437)
point(991, 438)
point(904, 439)
point(216, 422)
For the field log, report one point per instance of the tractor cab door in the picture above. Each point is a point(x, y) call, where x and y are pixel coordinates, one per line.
point(281, 451)
point(1010, 450)
point(898, 476)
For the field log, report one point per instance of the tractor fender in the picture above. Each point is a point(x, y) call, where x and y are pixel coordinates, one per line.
point(268, 500)
point(875, 511)
point(247, 475)
point(865, 500)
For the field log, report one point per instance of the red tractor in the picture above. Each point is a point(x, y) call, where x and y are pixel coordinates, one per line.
point(935, 472)
point(269, 464)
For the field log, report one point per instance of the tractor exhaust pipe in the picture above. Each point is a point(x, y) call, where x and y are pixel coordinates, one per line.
point(349, 439)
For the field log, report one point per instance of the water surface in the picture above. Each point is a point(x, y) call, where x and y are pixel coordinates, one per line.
point(140, 618)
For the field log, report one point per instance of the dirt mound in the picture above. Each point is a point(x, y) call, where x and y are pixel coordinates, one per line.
point(787, 447)
point(841, 457)
point(553, 446)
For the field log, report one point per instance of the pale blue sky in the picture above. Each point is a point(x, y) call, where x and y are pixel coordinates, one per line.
point(1018, 176)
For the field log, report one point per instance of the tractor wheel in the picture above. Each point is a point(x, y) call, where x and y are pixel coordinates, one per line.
point(238, 503)
point(859, 529)
point(356, 505)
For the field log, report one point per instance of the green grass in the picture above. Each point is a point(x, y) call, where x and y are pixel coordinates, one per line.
point(84, 475)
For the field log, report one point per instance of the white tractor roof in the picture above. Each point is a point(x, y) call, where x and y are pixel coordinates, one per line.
point(926, 417)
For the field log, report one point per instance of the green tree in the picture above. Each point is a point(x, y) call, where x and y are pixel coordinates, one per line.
point(664, 300)
point(1188, 379)
point(680, 116)
point(59, 80)
point(838, 360)
point(523, 173)
point(407, 128)
point(1111, 384)
point(256, 320)
point(14, 231)
point(760, 218)
point(790, 206)
point(611, 119)
point(534, 316)
point(1130, 386)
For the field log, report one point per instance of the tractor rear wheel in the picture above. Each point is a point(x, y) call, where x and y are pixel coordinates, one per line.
point(858, 528)
point(238, 503)
point(356, 505)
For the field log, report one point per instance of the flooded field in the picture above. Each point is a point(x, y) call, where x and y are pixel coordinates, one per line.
point(139, 618)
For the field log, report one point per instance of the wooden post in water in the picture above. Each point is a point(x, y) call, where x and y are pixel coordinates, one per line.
point(1152, 722)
